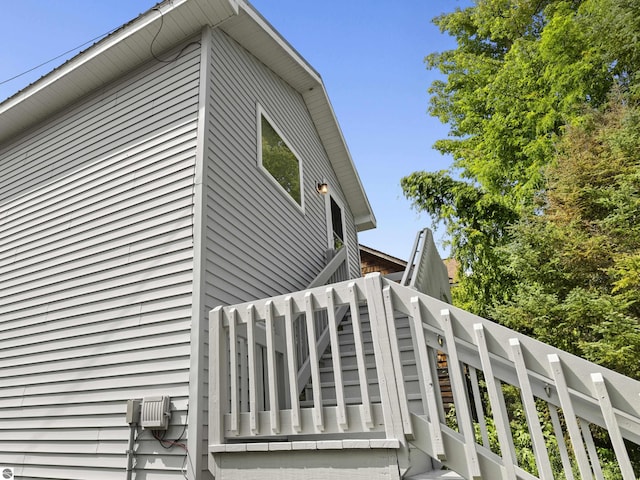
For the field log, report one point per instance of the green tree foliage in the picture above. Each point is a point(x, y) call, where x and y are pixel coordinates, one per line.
point(542, 204)
point(477, 222)
point(573, 265)
point(521, 93)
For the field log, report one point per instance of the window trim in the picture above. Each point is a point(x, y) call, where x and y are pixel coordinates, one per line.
point(260, 112)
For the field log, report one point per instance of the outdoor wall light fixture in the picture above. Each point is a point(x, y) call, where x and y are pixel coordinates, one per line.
point(322, 188)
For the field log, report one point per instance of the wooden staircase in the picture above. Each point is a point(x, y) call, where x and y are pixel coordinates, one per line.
point(350, 371)
point(342, 381)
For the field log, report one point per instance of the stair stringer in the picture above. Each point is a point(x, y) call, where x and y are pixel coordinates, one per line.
point(454, 444)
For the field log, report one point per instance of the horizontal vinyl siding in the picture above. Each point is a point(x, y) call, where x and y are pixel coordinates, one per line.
point(96, 269)
point(259, 243)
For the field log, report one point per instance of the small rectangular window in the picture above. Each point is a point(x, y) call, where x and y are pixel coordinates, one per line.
point(279, 160)
point(336, 225)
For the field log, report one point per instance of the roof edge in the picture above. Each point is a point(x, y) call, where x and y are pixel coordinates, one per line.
point(92, 68)
point(35, 102)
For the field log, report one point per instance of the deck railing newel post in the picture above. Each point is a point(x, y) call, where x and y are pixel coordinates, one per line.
point(218, 387)
point(384, 361)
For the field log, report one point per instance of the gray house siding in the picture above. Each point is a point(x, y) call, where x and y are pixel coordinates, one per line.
point(256, 242)
point(270, 246)
point(123, 220)
point(96, 268)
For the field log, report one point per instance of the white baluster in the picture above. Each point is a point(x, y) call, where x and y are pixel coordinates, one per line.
point(336, 360)
point(609, 415)
point(272, 371)
point(292, 365)
point(460, 397)
point(233, 376)
point(354, 307)
point(569, 416)
point(314, 363)
point(427, 381)
point(253, 374)
point(500, 417)
point(531, 412)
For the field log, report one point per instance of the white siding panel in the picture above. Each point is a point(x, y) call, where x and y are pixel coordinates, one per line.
point(96, 190)
point(96, 267)
point(76, 363)
point(270, 247)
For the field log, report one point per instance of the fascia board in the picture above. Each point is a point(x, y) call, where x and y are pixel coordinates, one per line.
point(129, 46)
point(334, 143)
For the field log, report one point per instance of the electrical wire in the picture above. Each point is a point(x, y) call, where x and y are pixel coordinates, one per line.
point(155, 37)
point(169, 444)
point(59, 56)
point(159, 435)
point(99, 37)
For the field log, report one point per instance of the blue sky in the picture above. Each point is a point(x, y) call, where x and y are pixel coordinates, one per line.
point(369, 53)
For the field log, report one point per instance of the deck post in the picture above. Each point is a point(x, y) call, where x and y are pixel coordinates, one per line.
point(387, 380)
point(218, 378)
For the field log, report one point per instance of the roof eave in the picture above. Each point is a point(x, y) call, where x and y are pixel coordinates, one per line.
point(255, 34)
point(104, 61)
point(129, 46)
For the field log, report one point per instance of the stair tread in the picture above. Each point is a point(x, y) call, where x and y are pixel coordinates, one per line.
point(436, 475)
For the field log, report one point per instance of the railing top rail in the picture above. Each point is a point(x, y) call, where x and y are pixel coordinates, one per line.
point(409, 273)
point(425, 270)
point(280, 303)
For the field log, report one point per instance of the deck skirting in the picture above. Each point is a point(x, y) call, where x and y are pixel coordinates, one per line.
point(319, 460)
point(373, 443)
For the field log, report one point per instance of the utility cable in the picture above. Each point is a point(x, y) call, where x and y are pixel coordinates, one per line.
point(59, 56)
point(155, 37)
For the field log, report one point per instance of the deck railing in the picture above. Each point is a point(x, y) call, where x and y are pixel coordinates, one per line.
point(273, 406)
point(505, 383)
point(425, 270)
point(566, 407)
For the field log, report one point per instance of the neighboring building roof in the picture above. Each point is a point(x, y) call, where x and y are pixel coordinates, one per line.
point(372, 260)
point(129, 46)
point(452, 269)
